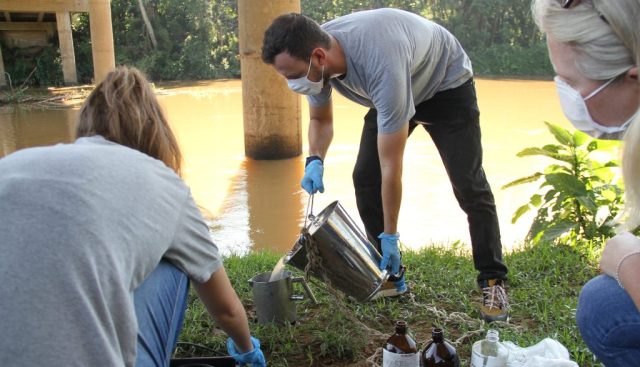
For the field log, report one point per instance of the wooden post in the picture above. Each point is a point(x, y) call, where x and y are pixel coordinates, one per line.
point(101, 39)
point(272, 128)
point(3, 76)
point(65, 38)
point(8, 138)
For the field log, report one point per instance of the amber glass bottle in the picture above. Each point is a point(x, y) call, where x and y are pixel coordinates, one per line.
point(439, 352)
point(400, 349)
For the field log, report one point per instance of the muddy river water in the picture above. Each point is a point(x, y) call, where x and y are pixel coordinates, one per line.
point(254, 205)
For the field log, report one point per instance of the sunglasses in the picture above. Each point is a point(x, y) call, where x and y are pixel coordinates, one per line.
point(568, 4)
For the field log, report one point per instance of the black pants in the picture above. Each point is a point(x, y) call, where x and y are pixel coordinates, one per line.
point(452, 118)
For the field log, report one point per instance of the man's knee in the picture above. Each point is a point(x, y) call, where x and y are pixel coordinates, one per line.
point(364, 177)
point(475, 196)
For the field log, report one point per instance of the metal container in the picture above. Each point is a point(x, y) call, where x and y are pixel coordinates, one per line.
point(348, 260)
point(274, 300)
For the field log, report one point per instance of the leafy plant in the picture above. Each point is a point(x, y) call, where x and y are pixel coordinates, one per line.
point(579, 195)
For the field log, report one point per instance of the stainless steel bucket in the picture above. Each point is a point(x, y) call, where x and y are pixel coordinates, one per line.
point(274, 300)
point(347, 259)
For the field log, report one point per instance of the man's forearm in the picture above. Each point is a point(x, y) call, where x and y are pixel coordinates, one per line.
point(391, 151)
point(391, 197)
point(320, 129)
point(320, 136)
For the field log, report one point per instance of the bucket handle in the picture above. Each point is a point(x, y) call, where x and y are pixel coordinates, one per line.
point(309, 213)
point(307, 290)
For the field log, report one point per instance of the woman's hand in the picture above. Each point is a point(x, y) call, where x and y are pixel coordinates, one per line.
point(615, 250)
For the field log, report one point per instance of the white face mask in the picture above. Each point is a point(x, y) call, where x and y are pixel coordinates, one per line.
point(575, 109)
point(305, 86)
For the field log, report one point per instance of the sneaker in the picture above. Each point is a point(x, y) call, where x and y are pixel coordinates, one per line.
point(495, 304)
point(393, 287)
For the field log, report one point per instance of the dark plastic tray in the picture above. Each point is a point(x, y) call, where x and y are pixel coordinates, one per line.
point(225, 361)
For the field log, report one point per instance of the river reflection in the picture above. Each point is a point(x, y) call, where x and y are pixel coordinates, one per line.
point(23, 128)
point(254, 205)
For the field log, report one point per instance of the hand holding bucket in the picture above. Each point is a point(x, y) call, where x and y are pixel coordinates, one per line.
point(390, 253)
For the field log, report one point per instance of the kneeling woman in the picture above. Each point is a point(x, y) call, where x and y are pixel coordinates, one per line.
point(594, 46)
point(100, 238)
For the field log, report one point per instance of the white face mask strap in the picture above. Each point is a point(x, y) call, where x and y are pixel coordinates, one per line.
point(629, 121)
point(603, 86)
point(309, 69)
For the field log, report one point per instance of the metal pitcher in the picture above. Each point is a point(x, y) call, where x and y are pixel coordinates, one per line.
point(274, 300)
point(347, 258)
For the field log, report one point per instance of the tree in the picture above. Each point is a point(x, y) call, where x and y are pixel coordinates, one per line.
point(145, 18)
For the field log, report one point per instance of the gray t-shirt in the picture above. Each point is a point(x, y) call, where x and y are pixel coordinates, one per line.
point(81, 226)
point(395, 60)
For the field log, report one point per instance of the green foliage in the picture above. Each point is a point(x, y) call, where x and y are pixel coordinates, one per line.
point(198, 39)
point(82, 47)
point(33, 66)
point(579, 195)
point(49, 67)
point(500, 36)
point(512, 60)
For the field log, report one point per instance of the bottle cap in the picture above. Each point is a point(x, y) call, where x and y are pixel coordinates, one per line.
point(437, 335)
point(401, 327)
point(493, 335)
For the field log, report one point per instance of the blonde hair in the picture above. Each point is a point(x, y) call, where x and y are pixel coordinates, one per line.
point(606, 37)
point(124, 110)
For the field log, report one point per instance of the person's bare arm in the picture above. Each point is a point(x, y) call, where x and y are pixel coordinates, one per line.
point(225, 307)
point(629, 277)
point(621, 259)
point(320, 129)
point(391, 152)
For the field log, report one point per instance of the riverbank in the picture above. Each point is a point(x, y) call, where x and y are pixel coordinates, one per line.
point(72, 96)
point(52, 97)
point(545, 281)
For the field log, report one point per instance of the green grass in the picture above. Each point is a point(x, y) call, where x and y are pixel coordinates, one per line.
point(545, 281)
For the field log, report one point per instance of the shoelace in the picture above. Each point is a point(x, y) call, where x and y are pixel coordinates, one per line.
point(495, 297)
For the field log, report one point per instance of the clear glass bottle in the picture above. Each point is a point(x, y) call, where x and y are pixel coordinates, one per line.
point(489, 352)
point(400, 349)
point(439, 352)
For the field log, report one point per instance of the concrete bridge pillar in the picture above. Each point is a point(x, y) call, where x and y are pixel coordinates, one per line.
point(65, 37)
point(3, 78)
point(272, 128)
point(101, 39)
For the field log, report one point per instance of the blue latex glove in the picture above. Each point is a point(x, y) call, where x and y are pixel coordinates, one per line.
point(312, 180)
point(390, 252)
point(254, 358)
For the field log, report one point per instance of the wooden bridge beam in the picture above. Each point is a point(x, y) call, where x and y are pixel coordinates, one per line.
point(49, 6)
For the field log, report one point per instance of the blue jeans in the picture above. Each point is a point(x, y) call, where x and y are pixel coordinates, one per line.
point(160, 302)
point(609, 322)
